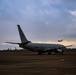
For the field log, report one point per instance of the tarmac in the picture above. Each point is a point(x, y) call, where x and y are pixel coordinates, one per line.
point(30, 63)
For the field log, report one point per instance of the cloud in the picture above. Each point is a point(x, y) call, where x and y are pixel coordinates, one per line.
point(48, 2)
point(0, 14)
point(70, 33)
point(41, 20)
point(73, 13)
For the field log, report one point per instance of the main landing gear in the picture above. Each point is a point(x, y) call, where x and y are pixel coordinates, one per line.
point(39, 53)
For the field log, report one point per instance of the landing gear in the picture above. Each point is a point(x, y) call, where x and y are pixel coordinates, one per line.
point(62, 52)
point(39, 53)
point(49, 53)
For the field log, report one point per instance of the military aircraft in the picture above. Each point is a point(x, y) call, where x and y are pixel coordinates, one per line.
point(38, 47)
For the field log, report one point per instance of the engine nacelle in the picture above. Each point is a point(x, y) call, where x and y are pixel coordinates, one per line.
point(59, 51)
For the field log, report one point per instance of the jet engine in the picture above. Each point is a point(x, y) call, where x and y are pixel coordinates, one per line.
point(59, 51)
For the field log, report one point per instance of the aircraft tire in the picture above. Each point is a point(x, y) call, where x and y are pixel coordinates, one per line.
point(39, 53)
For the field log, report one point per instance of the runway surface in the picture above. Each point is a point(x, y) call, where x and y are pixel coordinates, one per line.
point(29, 63)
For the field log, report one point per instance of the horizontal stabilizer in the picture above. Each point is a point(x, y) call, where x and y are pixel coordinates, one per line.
point(12, 43)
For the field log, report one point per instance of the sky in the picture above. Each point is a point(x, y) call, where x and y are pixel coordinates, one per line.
point(41, 20)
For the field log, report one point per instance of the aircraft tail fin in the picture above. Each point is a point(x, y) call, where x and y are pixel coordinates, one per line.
point(22, 36)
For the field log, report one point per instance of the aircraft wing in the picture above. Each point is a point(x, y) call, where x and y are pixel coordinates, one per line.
point(69, 46)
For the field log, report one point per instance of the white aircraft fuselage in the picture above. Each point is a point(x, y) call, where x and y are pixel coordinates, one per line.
point(38, 47)
point(42, 48)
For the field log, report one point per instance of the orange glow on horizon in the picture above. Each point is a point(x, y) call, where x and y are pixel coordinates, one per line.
point(65, 43)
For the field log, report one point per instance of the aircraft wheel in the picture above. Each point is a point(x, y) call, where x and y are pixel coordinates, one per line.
point(39, 53)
